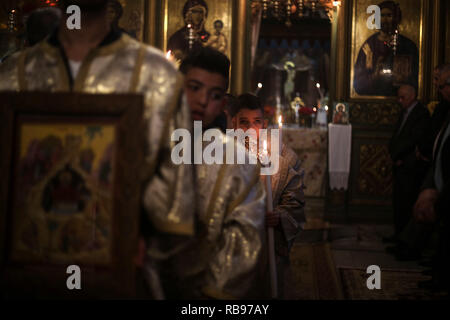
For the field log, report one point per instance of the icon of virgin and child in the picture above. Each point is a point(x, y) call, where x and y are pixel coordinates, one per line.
point(194, 34)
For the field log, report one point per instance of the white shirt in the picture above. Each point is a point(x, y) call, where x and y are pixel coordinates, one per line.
point(405, 117)
point(74, 68)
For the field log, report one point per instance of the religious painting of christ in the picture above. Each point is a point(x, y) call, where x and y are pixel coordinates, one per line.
point(384, 59)
point(196, 23)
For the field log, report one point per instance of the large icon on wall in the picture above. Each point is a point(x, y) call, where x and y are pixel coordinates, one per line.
point(194, 23)
point(385, 58)
point(128, 17)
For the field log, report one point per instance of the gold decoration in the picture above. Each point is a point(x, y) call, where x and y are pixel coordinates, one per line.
point(374, 114)
point(273, 8)
point(374, 170)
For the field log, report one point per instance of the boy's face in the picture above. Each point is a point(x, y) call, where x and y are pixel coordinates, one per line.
point(249, 119)
point(205, 92)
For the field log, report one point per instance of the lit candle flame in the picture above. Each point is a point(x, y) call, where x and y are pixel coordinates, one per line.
point(169, 54)
point(318, 85)
point(260, 85)
point(280, 122)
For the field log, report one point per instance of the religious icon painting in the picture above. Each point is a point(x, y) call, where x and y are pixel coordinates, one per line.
point(64, 191)
point(340, 113)
point(127, 17)
point(189, 24)
point(66, 158)
point(386, 47)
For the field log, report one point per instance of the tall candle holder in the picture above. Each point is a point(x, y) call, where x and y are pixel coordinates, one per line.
point(264, 159)
point(191, 36)
point(280, 132)
point(12, 20)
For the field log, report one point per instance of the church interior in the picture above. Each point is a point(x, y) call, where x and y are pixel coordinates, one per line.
point(359, 91)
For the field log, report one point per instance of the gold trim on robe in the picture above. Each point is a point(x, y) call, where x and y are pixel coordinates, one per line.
point(223, 261)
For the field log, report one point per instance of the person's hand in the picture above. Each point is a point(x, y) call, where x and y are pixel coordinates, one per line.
point(272, 219)
point(419, 156)
point(424, 207)
point(140, 257)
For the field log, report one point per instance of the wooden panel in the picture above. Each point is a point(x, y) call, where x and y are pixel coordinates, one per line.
point(374, 115)
point(447, 32)
point(371, 171)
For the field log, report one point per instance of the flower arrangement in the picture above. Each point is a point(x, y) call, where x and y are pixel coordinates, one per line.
point(306, 111)
point(305, 116)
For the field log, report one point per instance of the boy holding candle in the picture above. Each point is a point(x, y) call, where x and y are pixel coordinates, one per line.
point(223, 259)
point(287, 187)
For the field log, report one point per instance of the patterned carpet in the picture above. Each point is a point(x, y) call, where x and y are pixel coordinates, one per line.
point(330, 264)
point(395, 285)
point(313, 275)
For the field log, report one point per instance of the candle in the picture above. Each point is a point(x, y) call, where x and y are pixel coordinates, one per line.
point(280, 132)
point(270, 235)
point(169, 56)
point(269, 194)
point(259, 87)
point(320, 91)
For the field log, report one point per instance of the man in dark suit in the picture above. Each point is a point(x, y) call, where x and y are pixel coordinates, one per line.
point(433, 204)
point(421, 236)
point(408, 170)
point(439, 115)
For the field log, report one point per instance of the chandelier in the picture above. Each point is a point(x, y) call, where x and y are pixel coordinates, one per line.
point(14, 12)
point(289, 11)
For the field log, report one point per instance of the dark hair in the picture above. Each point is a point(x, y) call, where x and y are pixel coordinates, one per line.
point(208, 59)
point(41, 23)
point(231, 105)
point(219, 22)
point(117, 7)
point(192, 3)
point(395, 8)
point(248, 101)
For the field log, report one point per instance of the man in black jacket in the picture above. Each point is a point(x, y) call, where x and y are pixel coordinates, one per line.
point(439, 115)
point(433, 204)
point(408, 170)
point(420, 236)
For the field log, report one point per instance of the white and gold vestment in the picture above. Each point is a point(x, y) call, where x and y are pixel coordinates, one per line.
point(125, 66)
